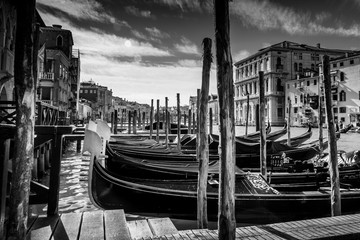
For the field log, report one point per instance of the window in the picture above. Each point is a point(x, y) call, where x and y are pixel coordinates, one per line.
point(295, 109)
point(295, 67)
point(300, 56)
point(280, 112)
point(343, 96)
point(279, 86)
point(335, 110)
point(255, 88)
point(267, 85)
point(341, 64)
point(307, 83)
point(334, 65)
point(295, 99)
point(301, 98)
point(342, 109)
point(59, 41)
point(352, 61)
point(342, 76)
point(335, 97)
point(85, 91)
point(278, 61)
point(300, 67)
point(313, 67)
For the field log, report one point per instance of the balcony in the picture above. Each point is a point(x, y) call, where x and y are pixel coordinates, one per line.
point(7, 63)
point(49, 76)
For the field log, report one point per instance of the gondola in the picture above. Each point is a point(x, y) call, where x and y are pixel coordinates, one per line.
point(255, 200)
point(296, 141)
point(346, 129)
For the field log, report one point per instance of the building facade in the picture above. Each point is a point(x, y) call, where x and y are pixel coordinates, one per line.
point(100, 98)
point(304, 93)
point(280, 63)
point(54, 86)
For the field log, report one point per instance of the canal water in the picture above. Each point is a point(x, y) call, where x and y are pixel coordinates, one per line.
point(73, 179)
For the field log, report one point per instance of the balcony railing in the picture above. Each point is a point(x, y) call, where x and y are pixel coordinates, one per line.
point(47, 76)
point(7, 63)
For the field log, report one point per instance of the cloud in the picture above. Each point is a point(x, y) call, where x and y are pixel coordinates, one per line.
point(189, 5)
point(187, 47)
point(81, 9)
point(266, 15)
point(139, 13)
point(157, 33)
point(241, 55)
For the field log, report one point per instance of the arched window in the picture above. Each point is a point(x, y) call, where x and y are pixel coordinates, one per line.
point(279, 86)
point(300, 67)
point(343, 96)
point(295, 67)
point(59, 41)
point(278, 61)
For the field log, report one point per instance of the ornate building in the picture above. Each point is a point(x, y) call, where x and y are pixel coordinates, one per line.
point(280, 63)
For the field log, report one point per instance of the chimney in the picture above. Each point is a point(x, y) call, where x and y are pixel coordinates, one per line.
point(318, 45)
point(57, 26)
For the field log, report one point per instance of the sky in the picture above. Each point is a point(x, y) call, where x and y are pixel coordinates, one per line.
point(152, 49)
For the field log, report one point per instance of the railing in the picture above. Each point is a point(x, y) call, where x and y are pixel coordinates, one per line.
point(47, 76)
point(7, 61)
point(8, 112)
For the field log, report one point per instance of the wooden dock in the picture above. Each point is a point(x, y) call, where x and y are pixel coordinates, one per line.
point(112, 224)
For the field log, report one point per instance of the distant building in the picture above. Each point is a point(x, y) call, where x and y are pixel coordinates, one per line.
point(100, 97)
point(280, 63)
point(214, 106)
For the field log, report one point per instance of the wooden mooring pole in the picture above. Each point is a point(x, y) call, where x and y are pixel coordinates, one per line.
point(178, 121)
point(247, 112)
point(189, 122)
point(151, 118)
point(157, 119)
point(226, 215)
point(129, 122)
point(25, 121)
point(333, 165)
point(203, 133)
point(321, 137)
point(210, 121)
point(166, 123)
point(115, 121)
point(288, 124)
point(262, 125)
point(134, 121)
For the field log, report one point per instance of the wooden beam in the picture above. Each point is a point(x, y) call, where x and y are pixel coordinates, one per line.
point(157, 119)
point(203, 146)
point(262, 125)
point(25, 121)
point(151, 118)
point(226, 221)
point(166, 123)
point(335, 196)
point(178, 120)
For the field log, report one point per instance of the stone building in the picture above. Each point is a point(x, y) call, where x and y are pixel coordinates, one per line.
point(54, 86)
point(304, 93)
point(280, 63)
point(100, 98)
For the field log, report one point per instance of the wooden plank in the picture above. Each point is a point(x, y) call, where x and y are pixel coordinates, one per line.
point(115, 225)
point(68, 226)
point(43, 227)
point(92, 226)
point(139, 229)
point(162, 226)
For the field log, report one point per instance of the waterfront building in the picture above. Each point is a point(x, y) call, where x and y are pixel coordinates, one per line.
point(100, 98)
point(345, 90)
point(54, 85)
point(280, 63)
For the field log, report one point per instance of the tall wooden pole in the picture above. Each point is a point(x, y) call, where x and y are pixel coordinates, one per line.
point(166, 123)
point(189, 126)
point(115, 121)
point(143, 121)
point(134, 121)
point(25, 120)
point(194, 121)
point(185, 118)
point(157, 119)
point(129, 122)
point(333, 166)
point(247, 112)
point(321, 138)
point(197, 120)
point(226, 221)
point(203, 143)
point(210, 121)
point(288, 124)
point(151, 118)
point(262, 125)
point(178, 120)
